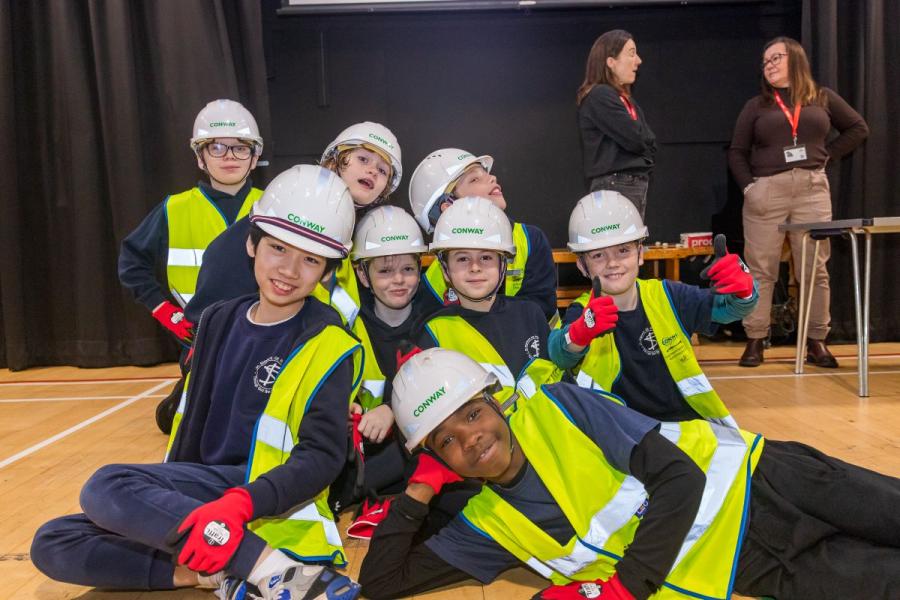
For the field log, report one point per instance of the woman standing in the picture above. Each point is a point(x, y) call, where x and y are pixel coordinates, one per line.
point(617, 144)
point(778, 155)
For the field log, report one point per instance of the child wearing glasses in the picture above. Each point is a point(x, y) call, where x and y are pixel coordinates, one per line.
point(227, 145)
point(631, 336)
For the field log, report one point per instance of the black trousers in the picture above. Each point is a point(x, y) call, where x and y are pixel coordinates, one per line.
point(631, 185)
point(819, 528)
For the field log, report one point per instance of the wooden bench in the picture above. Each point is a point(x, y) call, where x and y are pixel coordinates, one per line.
point(670, 257)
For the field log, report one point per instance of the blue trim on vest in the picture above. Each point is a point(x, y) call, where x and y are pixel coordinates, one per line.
point(527, 242)
point(474, 527)
point(674, 311)
point(325, 377)
point(744, 515)
point(430, 289)
point(610, 396)
point(253, 446)
point(599, 550)
point(433, 337)
point(690, 593)
point(216, 206)
point(558, 405)
point(322, 560)
point(166, 213)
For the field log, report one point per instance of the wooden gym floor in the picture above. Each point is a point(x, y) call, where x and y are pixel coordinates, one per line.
point(58, 425)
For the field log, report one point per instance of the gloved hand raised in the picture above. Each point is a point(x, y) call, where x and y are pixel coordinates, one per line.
point(172, 318)
point(728, 273)
point(433, 473)
point(208, 537)
point(611, 589)
point(599, 316)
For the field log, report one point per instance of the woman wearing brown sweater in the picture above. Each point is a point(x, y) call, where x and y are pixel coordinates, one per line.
point(778, 154)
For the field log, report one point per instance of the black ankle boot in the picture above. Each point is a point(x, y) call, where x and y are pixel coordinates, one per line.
point(753, 353)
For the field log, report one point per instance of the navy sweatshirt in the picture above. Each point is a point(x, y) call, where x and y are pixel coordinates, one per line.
point(214, 429)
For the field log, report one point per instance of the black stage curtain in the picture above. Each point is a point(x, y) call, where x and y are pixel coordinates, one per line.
point(97, 101)
point(854, 49)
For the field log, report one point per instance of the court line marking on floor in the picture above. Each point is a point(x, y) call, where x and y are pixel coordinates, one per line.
point(87, 381)
point(70, 398)
point(800, 375)
point(20, 455)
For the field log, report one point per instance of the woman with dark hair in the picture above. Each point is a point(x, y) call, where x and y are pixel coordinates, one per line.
point(777, 156)
point(617, 144)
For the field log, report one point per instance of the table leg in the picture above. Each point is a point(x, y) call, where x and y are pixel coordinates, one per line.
point(864, 373)
point(860, 354)
point(803, 304)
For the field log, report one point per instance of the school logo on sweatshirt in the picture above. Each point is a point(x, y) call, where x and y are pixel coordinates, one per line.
point(533, 346)
point(265, 374)
point(648, 343)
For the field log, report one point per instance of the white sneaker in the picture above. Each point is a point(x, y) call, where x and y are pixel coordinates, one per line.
point(301, 582)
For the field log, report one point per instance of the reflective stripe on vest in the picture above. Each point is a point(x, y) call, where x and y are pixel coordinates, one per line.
point(344, 294)
point(606, 513)
point(515, 270)
point(601, 365)
point(193, 222)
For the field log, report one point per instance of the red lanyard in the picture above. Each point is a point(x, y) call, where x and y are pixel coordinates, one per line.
point(629, 107)
point(795, 120)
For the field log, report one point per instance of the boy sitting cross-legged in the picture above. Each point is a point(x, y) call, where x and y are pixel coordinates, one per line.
point(241, 501)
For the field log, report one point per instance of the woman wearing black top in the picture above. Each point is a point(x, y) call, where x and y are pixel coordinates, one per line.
point(617, 143)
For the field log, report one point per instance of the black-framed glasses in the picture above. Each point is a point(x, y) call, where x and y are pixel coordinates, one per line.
point(775, 60)
point(219, 150)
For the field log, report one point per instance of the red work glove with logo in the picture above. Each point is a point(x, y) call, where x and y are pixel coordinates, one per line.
point(599, 316)
point(611, 589)
point(433, 473)
point(172, 318)
point(210, 534)
point(728, 273)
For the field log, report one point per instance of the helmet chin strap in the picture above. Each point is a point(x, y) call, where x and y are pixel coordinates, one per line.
point(490, 294)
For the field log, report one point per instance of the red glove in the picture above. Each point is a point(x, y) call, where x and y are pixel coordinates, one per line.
point(357, 436)
point(172, 318)
point(433, 473)
point(728, 272)
point(213, 531)
point(599, 316)
point(611, 589)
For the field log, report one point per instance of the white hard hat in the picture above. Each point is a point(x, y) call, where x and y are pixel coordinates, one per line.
point(473, 223)
point(430, 386)
point(431, 178)
point(375, 137)
point(225, 119)
point(387, 231)
point(602, 219)
point(308, 207)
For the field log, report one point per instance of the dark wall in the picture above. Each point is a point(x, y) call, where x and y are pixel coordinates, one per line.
point(503, 83)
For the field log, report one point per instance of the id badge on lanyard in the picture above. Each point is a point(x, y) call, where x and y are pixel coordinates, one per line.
point(797, 152)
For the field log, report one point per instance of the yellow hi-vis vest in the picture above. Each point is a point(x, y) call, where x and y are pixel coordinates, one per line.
point(194, 221)
point(515, 270)
point(307, 532)
point(371, 391)
point(455, 333)
point(605, 505)
point(344, 293)
point(601, 366)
